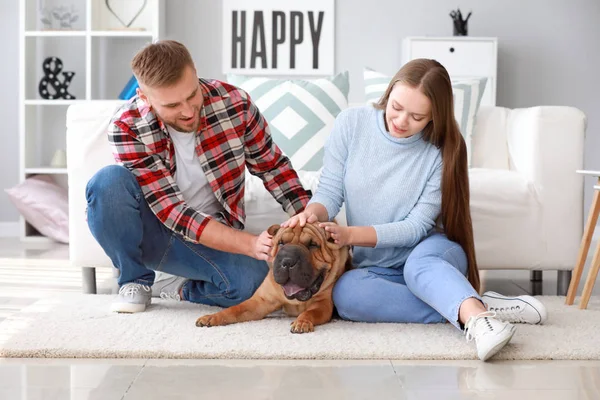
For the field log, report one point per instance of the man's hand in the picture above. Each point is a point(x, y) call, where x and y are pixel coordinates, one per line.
point(300, 219)
point(261, 249)
point(342, 235)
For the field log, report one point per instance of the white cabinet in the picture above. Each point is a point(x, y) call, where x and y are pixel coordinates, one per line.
point(95, 46)
point(462, 56)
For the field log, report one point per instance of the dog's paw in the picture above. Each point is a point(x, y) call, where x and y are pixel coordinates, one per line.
point(210, 320)
point(302, 326)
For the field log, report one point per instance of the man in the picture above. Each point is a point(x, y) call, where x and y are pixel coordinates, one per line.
point(176, 202)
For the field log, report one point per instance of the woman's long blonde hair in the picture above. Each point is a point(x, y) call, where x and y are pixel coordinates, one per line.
point(433, 80)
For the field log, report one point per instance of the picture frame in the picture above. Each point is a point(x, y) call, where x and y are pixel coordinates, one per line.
point(270, 37)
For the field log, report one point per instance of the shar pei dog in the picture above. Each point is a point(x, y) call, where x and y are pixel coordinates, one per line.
point(306, 264)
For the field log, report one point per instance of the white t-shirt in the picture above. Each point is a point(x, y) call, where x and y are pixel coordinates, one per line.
point(189, 175)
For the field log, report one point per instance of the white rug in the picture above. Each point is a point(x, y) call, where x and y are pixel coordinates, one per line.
point(81, 326)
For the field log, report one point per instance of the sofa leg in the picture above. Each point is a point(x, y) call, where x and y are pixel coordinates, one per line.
point(88, 280)
point(536, 284)
point(562, 282)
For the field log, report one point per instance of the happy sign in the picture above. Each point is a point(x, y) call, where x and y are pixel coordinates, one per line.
point(274, 37)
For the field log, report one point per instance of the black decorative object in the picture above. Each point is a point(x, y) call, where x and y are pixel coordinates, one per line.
point(137, 14)
point(460, 24)
point(52, 67)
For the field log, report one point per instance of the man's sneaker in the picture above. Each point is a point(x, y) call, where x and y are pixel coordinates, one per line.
point(133, 298)
point(168, 287)
point(490, 333)
point(517, 309)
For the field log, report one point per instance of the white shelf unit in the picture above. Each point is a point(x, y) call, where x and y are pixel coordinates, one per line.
point(462, 56)
point(97, 48)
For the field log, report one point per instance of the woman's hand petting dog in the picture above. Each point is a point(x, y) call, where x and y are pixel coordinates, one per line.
point(342, 235)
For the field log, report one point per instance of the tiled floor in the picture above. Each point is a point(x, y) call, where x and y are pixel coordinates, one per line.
point(205, 379)
point(30, 272)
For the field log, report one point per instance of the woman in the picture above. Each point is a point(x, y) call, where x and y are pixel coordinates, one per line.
point(400, 167)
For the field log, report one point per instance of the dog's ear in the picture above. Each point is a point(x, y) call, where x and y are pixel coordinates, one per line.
point(332, 245)
point(273, 229)
point(330, 241)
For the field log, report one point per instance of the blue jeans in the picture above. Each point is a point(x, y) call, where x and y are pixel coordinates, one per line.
point(139, 244)
point(428, 288)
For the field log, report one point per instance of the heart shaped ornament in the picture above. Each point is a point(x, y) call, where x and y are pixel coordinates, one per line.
point(128, 7)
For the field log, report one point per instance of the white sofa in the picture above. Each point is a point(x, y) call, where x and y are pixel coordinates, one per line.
point(526, 199)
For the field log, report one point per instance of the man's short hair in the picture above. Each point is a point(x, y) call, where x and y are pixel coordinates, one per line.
point(161, 64)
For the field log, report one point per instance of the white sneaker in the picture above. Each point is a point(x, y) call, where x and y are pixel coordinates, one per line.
point(133, 298)
point(516, 309)
point(168, 287)
point(490, 333)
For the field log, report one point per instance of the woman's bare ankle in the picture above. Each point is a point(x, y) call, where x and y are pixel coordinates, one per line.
point(468, 308)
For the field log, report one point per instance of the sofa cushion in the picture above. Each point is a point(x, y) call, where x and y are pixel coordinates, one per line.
point(300, 112)
point(467, 98)
point(506, 213)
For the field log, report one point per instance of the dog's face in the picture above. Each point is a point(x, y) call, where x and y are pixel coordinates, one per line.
point(304, 260)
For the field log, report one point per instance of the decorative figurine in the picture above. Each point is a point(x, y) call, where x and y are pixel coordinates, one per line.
point(460, 24)
point(52, 67)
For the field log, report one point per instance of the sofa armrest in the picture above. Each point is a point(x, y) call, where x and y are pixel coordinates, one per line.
point(88, 151)
point(546, 146)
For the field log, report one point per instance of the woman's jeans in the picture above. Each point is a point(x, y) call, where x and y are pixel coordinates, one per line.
point(428, 288)
point(139, 244)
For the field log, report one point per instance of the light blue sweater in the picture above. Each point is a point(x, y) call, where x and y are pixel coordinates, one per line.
point(392, 184)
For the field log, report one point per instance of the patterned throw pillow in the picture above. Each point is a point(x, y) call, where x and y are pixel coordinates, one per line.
point(467, 98)
point(300, 112)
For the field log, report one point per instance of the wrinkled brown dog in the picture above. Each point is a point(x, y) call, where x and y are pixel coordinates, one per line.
point(306, 264)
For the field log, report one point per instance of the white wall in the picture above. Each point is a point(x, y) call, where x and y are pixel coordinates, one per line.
point(549, 53)
point(9, 107)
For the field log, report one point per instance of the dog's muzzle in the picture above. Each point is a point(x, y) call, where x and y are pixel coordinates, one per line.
point(293, 270)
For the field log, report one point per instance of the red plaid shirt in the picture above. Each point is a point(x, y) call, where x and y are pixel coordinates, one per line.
point(233, 135)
